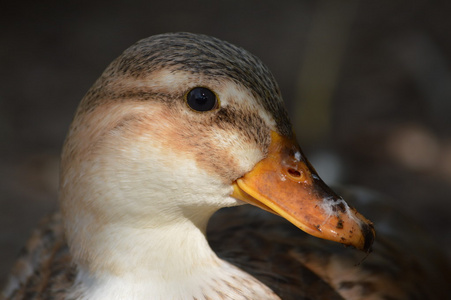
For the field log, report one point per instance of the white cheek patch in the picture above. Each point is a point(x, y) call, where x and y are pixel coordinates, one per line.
point(233, 143)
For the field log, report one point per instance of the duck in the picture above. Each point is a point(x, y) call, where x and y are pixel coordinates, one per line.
point(164, 153)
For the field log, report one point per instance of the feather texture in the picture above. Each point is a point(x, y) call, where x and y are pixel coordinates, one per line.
point(142, 173)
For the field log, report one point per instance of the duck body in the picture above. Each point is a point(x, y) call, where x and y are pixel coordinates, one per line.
point(176, 128)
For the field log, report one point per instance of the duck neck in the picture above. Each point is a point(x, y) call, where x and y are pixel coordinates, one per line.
point(167, 262)
point(156, 249)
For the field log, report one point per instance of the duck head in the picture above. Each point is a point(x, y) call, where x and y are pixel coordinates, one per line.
point(177, 127)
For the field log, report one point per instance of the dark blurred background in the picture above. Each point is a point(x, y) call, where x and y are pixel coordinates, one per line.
point(367, 84)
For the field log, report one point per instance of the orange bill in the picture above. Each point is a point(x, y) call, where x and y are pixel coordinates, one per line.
point(285, 184)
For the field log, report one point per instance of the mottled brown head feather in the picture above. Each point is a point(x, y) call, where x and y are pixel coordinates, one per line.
point(199, 55)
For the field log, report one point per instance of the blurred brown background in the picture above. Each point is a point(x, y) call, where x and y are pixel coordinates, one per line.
point(367, 84)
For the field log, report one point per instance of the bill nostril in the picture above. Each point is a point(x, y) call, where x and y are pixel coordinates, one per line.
point(295, 174)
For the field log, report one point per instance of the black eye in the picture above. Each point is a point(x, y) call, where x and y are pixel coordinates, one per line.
point(201, 99)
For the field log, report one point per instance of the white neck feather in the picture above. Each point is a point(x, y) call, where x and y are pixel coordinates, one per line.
point(174, 262)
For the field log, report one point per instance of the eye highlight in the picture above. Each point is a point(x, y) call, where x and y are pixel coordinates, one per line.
point(201, 99)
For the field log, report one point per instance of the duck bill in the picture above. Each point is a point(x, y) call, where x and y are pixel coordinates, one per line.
point(284, 183)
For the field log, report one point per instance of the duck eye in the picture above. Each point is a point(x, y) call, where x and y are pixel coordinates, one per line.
point(201, 99)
